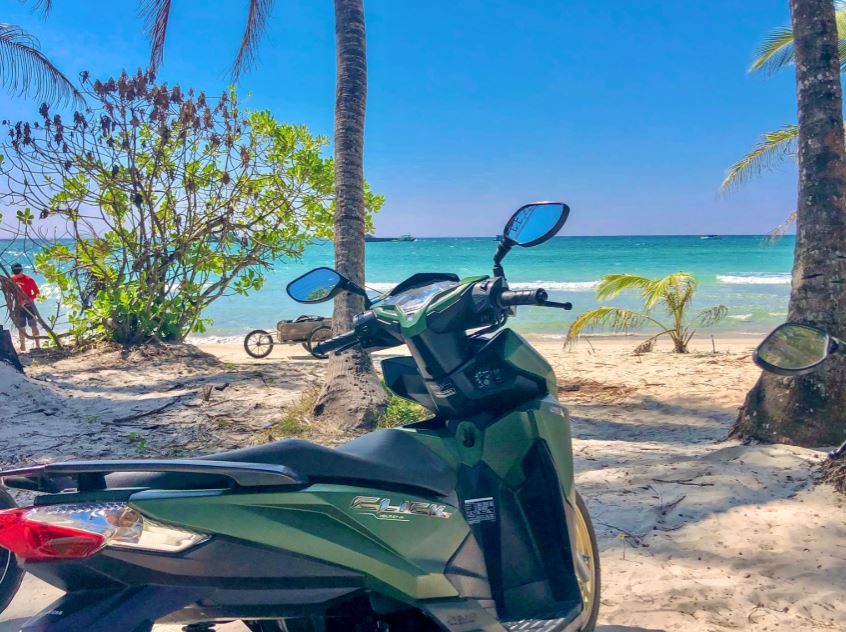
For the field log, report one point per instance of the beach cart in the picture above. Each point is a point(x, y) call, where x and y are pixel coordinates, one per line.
point(304, 330)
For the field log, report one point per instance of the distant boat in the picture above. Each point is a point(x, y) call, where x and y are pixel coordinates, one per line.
point(374, 239)
point(710, 237)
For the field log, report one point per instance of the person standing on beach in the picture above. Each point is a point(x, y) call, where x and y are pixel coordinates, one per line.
point(24, 313)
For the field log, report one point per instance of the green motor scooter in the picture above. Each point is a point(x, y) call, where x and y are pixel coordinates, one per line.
point(466, 521)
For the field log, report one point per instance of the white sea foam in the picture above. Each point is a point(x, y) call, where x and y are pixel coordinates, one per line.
point(223, 340)
point(573, 286)
point(760, 279)
point(743, 317)
point(381, 286)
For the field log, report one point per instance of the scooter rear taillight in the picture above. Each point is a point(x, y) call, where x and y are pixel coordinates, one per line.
point(38, 541)
point(77, 531)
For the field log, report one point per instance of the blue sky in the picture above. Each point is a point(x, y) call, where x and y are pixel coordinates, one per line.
point(628, 111)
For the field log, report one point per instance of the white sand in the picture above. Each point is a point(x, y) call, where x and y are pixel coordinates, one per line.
point(717, 536)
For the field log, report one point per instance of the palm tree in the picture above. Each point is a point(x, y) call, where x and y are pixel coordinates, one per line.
point(811, 409)
point(674, 293)
point(25, 70)
point(775, 53)
point(352, 395)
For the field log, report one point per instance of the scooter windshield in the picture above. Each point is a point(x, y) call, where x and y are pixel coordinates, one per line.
point(412, 301)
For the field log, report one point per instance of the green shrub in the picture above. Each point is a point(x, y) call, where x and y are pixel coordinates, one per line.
point(401, 412)
point(171, 199)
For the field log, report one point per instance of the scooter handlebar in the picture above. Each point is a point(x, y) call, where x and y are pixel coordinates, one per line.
point(510, 298)
point(539, 296)
point(338, 343)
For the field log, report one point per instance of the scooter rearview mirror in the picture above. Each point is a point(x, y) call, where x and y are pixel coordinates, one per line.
point(315, 286)
point(530, 225)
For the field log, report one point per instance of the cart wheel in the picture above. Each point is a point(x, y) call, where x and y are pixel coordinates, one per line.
point(318, 335)
point(258, 343)
point(10, 573)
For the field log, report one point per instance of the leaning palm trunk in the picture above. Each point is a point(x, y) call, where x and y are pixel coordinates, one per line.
point(352, 396)
point(811, 410)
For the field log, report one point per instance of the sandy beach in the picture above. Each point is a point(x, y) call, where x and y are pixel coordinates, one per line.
point(696, 533)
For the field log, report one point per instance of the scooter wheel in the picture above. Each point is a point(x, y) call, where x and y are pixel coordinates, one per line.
point(11, 574)
point(589, 575)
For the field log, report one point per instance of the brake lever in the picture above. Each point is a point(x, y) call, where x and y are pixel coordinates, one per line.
point(567, 305)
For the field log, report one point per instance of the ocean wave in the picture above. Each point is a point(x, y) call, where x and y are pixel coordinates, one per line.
point(572, 286)
point(761, 279)
point(743, 317)
point(380, 287)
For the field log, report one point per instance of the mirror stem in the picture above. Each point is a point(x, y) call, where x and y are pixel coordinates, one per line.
point(503, 249)
point(349, 286)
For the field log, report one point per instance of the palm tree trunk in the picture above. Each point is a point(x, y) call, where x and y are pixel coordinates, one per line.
point(352, 396)
point(811, 410)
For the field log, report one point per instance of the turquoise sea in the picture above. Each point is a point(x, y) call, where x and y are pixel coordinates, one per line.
point(748, 274)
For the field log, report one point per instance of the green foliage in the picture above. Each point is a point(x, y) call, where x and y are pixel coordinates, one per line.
point(674, 293)
point(138, 441)
point(777, 50)
point(296, 418)
point(172, 199)
point(771, 150)
point(775, 53)
point(401, 412)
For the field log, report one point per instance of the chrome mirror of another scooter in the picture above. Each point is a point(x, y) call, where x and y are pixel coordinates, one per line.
point(794, 349)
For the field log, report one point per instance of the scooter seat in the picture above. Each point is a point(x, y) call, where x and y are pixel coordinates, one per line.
point(383, 459)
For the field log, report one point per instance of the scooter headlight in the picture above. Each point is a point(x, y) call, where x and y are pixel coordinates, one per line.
point(75, 531)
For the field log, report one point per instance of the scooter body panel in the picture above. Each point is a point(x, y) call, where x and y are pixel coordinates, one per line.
point(393, 538)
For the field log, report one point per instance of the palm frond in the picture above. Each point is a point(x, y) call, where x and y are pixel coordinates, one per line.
point(43, 6)
point(775, 52)
point(673, 288)
point(614, 318)
point(711, 315)
point(256, 22)
point(612, 284)
point(781, 229)
point(156, 14)
point(24, 69)
point(840, 18)
point(773, 148)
